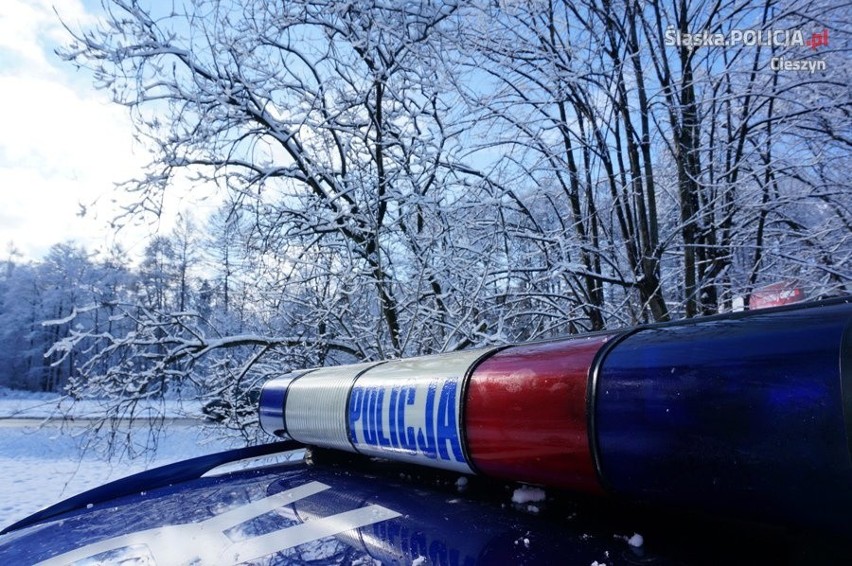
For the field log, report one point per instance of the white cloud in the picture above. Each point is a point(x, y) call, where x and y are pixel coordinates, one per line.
point(30, 28)
point(62, 142)
point(62, 132)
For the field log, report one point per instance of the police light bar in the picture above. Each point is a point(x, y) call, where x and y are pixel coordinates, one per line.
point(746, 415)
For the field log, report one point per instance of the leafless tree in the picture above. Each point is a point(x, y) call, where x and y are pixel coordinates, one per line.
point(666, 160)
point(405, 178)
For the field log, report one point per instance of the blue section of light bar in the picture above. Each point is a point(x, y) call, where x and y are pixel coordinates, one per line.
point(273, 395)
point(741, 416)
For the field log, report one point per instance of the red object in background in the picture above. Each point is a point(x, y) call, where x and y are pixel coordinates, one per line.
point(525, 414)
point(775, 295)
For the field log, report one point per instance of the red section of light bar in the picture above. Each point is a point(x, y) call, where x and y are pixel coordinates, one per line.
point(525, 416)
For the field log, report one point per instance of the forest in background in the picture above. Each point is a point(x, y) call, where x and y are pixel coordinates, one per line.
point(407, 178)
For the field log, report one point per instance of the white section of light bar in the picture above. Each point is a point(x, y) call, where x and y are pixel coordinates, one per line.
point(397, 410)
point(315, 409)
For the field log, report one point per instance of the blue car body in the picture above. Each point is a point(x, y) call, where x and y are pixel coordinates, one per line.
point(329, 509)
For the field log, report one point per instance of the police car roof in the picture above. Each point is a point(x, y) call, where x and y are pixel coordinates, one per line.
point(346, 509)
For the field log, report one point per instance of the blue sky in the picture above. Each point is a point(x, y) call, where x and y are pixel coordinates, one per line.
point(62, 142)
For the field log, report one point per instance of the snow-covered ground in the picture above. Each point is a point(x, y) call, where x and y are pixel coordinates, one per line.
point(41, 462)
point(28, 405)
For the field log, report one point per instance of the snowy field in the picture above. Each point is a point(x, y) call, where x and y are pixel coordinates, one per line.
point(41, 462)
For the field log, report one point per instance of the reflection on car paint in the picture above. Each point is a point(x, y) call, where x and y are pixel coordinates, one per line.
point(216, 540)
